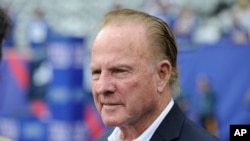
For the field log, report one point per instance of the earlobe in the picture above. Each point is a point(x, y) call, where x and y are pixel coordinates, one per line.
point(164, 73)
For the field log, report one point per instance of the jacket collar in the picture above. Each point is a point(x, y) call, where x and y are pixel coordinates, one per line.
point(171, 126)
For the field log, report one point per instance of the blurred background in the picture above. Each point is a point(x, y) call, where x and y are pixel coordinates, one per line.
point(45, 92)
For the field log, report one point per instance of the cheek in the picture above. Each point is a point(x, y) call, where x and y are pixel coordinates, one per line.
point(137, 91)
point(93, 89)
point(139, 98)
point(95, 96)
point(130, 85)
point(145, 89)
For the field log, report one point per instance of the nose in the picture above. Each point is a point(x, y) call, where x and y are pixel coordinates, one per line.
point(104, 85)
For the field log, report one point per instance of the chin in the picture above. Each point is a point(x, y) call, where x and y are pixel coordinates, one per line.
point(110, 121)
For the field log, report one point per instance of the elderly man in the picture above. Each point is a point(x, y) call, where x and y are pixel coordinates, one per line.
point(134, 74)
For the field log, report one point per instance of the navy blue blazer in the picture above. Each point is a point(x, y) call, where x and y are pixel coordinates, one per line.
point(176, 127)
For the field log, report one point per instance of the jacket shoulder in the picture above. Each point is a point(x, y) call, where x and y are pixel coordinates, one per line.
point(193, 131)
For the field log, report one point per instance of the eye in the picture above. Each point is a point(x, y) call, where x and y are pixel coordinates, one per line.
point(120, 73)
point(95, 74)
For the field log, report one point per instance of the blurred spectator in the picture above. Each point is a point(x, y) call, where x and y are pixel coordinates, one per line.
point(37, 33)
point(5, 24)
point(12, 73)
point(164, 9)
point(185, 26)
point(240, 21)
point(208, 32)
point(184, 102)
point(185, 22)
point(206, 104)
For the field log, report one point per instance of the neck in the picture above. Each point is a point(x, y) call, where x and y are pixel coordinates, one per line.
point(136, 128)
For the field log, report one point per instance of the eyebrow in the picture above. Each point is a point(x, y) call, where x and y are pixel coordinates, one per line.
point(92, 67)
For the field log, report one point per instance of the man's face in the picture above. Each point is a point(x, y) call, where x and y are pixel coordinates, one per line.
point(123, 81)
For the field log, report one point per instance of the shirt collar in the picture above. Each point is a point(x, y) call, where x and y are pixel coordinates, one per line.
point(148, 133)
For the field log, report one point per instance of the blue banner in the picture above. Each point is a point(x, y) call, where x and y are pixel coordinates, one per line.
point(228, 68)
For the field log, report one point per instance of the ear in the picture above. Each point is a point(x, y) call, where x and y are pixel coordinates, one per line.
point(164, 72)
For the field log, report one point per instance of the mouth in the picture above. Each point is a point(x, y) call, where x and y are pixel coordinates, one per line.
point(110, 105)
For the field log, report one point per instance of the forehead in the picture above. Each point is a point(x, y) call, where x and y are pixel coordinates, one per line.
point(121, 36)
point(119, 44)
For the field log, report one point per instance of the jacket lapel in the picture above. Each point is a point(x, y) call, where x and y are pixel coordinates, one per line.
point(171, 126)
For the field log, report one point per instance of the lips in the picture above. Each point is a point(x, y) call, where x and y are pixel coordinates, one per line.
point(111, 104)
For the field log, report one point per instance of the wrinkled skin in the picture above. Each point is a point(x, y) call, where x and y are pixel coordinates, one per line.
point(128, 91)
